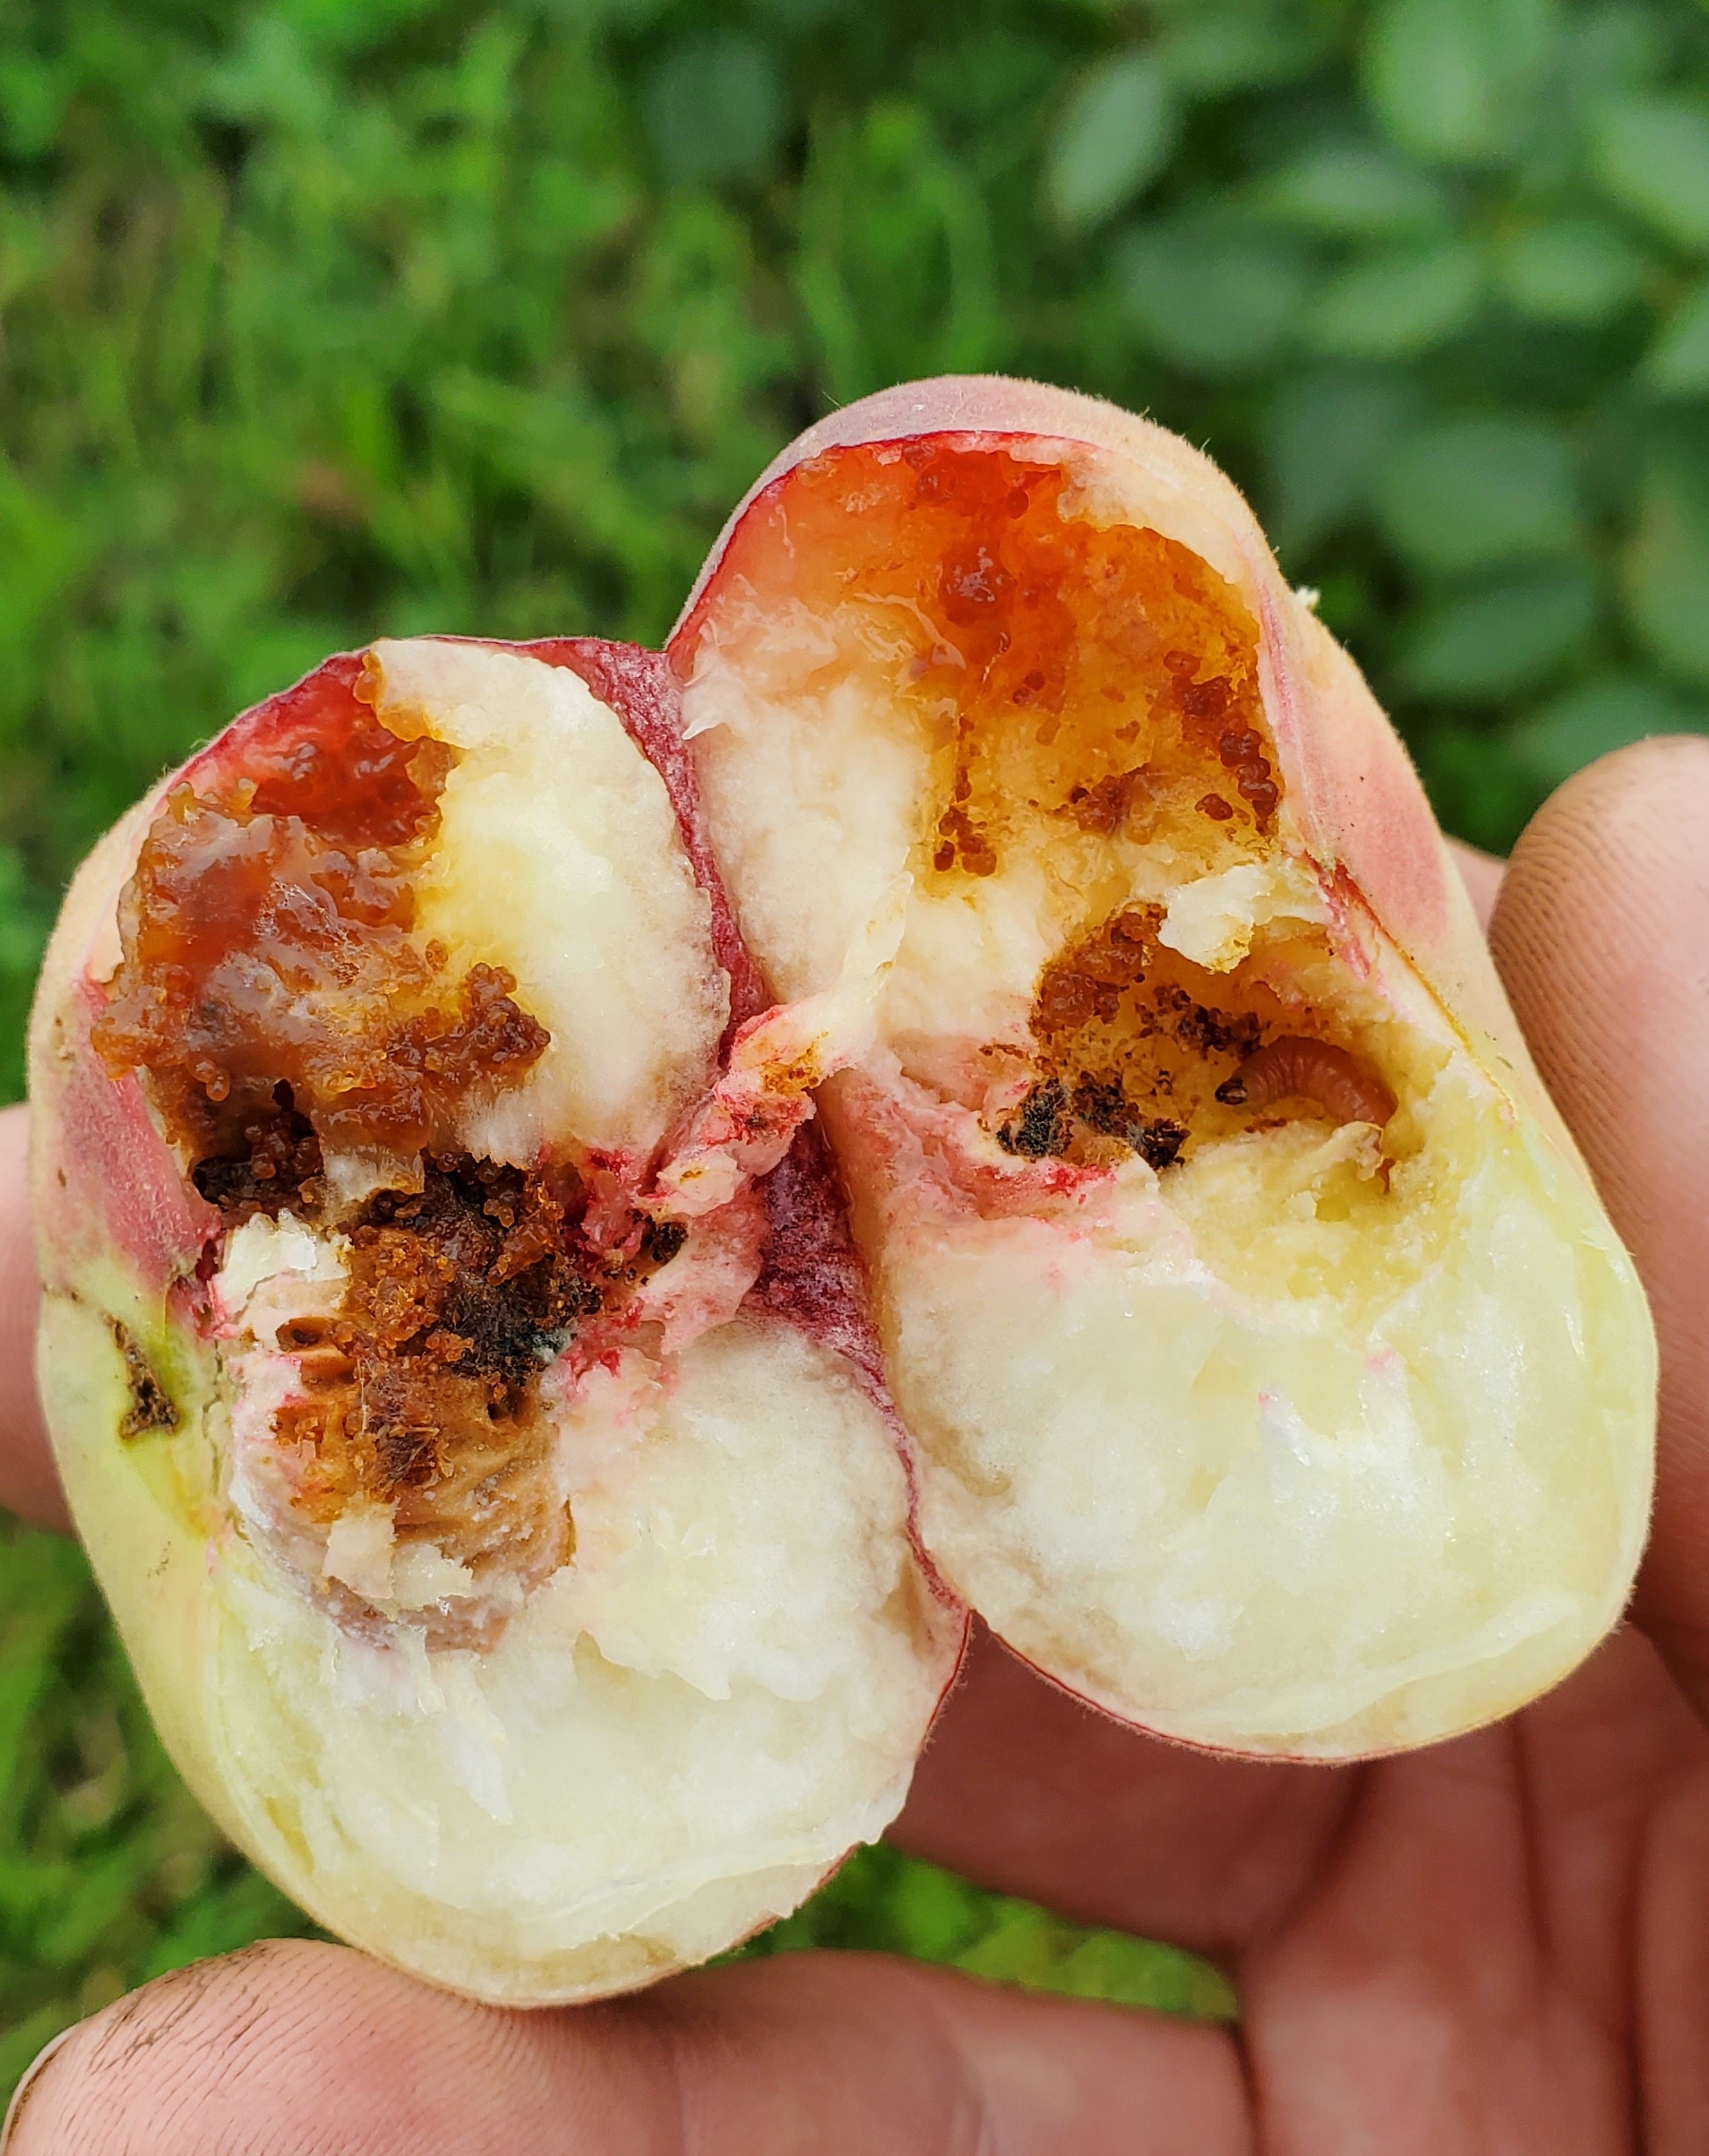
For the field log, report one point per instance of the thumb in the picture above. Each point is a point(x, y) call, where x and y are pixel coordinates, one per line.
point(1601, 935)
point(294, 2047)
point(28, 1483)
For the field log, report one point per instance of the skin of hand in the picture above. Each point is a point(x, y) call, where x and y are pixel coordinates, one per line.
point(1499, 1945)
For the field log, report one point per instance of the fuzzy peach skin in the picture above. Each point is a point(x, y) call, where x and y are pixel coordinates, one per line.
point(552, 1758)
point(1278, 1381)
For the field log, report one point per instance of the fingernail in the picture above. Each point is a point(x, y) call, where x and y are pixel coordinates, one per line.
point(32, 2074)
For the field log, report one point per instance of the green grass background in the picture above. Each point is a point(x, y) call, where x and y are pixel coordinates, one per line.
point(328, 317)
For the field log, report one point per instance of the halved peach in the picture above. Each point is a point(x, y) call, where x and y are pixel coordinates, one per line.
point(473, 1428)
point(1278, 1382)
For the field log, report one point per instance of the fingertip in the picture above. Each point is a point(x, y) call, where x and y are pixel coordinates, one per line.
point(1601, 936)
point(1599, 931)
point(295, 2046)
point(287, 2045)
point(29, 2083)
point(29, 1482)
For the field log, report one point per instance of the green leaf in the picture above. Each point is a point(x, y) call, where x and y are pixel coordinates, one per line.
point(556, 446)
point(1476, 492)
point(1354, 190)
point(1212, 297)
point(224, 1915)
point(270, 75)
point(1651, 156)
point(19, 2045)
point(1678, 364)
point(937, 1914)
point(1400, 303)
point(22, 928)
point(1479, 787)
point(1665, 568)
point(1027, 1947)
point(104, 1885)
point(587, 16)
point(1210, 52)
point(714, 109)
point(33, 103)
point(348, 25)
point(1574, 270)
point(569, 207)
point(895, 267)
point(801, 14)
point(1619, 44)
point(1115, 136)
point(1588, 722)
point(1326, 435)
point(883, 1901)
point(1490, 642)
point(1456, 80)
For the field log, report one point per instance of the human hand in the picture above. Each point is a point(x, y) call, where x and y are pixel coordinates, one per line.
point(1499, 1945)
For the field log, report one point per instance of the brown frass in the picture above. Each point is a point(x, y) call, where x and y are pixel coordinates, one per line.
point(458, 1294)
point(282, 1013)
point(1137, 1050)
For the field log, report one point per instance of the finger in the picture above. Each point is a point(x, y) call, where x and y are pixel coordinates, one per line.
point(1602, 935)
point(296, 2046)
point(1481, 875)
point(1477, 1968)
point(1033, 1793)
point(28, 1485)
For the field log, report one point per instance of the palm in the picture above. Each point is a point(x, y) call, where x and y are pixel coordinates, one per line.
point(1494, 1942)
point(1500, 1945)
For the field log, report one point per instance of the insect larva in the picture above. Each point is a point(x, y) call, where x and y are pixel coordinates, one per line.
point(1293, 1068)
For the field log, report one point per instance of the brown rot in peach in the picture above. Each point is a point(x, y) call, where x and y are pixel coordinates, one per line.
point(1276, 1379)
point(473, 1426)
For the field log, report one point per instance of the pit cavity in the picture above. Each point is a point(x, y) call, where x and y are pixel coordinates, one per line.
point(1138, 1049)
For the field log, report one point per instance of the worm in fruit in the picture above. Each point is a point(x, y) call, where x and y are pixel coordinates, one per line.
point(1293, 1068)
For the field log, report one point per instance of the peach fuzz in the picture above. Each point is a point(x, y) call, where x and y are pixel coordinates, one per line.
point(1262, 1418)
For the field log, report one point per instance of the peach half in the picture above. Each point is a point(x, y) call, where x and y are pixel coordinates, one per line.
point(1277, 1381)
point(472, 1425)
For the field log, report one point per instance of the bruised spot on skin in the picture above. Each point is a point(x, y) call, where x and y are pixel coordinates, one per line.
point(151, 1407)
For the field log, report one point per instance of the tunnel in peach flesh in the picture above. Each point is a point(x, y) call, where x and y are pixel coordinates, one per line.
point(518, 1568)
point(1277, 1381)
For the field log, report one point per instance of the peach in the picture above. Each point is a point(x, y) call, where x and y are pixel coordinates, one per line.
point(1277, 1381)
point(474, 1427)
point(477, 1381)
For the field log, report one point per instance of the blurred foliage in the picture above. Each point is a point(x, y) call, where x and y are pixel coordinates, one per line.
point(320, 318)
point(883, 1902)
